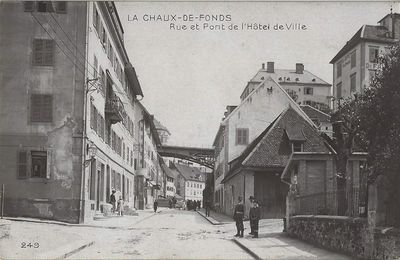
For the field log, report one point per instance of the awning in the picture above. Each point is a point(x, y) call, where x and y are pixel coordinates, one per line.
point(133, 79)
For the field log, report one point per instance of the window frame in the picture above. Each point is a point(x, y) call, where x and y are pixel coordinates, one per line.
point(41, 52)
point(42, 118)
point(242, 136)
point(353, 82)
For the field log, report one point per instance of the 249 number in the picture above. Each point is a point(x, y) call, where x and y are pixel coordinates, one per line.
point(30, 245)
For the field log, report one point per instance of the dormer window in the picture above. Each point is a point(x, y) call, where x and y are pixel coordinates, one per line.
point(297, 146)
point(297, 79)
point(280, 78)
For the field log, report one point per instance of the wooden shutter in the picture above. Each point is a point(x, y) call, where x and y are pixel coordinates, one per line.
point(61, 7)
point(48, 164)
point(29, 6)
point(43, 52)
point(41, 108)
point(37, 51)
point(22, 164)
point(91, 115)
point(95, 119)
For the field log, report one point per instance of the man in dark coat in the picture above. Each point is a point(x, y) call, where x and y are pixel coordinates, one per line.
point(155, 205)
point(238, 215)
point(251, 199)
point(254, 216)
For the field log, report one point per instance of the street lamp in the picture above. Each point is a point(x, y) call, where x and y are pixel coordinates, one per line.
point(91, 150)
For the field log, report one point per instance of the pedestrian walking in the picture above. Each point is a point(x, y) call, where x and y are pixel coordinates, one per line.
point(113, 200)
point(238, 217)
point(208, 207)
point(251, 199)
point(254, 216)
point(120, 206)
point(155, 205)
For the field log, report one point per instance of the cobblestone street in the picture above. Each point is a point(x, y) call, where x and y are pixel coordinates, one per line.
point(167, 234)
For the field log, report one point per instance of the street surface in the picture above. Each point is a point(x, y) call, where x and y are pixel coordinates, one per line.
point(167, 234)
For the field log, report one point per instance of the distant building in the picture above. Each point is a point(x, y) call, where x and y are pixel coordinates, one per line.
point(303, 87)
point(170, 189)
point(355, 64)
point(162, 131)
point(194, 181)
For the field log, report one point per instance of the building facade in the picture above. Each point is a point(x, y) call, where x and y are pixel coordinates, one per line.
point(355, 64)
point(303, 87)
point(69, 137)
point(192, 181)
point(242, 124)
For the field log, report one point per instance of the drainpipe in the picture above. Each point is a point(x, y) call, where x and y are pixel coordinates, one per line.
point(83, 179)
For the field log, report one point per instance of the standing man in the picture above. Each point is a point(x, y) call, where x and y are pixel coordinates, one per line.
point(254, 216)
point(113, 201)
point(155, 205)
point(251, 199)
point(238, 217)
point(208, 207)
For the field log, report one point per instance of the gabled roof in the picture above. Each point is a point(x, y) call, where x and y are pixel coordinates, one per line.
point(272, 149)
point(373, 33)
point(190, 173)
point(168, 171)
point(314, 113)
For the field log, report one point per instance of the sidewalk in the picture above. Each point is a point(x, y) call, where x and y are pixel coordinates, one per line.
point(29, 238)
point(216, 218)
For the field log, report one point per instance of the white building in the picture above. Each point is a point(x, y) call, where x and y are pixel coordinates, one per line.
point(194, 181)
point(243, 123)
point(355, 64)
point(303, 86)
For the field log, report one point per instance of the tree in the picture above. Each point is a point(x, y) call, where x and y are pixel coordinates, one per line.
point(371, 122)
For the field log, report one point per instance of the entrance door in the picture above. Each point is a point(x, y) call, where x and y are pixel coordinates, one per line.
point(108, 184)
point(270, 192)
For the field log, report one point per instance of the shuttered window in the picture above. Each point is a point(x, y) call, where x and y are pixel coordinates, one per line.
point(29, 6)
point(44, 6)
point(61, 7)
point(22, 164)
point(43, 52)
point(41, 108)
point(242, 136)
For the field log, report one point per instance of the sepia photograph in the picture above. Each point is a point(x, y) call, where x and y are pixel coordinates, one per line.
point(200, 129)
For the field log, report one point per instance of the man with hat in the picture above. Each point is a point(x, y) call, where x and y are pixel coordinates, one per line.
point(251, 199)
point(238, 215)
point(254, 216)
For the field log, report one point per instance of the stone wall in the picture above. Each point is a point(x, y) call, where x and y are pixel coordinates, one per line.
point(342, 234)
point(387, 243)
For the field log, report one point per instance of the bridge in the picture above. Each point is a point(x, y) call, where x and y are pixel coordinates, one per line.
point(202, 156)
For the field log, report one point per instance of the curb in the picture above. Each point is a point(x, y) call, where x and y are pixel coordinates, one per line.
point(74, 225)
point(245, 248)
point(212, 221)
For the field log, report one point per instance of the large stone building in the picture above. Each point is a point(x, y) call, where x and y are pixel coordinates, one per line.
point(303, 87)
point(355, 64)
point(71, 128)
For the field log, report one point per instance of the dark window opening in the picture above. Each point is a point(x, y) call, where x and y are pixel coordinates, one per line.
point(39, 164)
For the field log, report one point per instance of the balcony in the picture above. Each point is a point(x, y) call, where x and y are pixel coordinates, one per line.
point(114, 109)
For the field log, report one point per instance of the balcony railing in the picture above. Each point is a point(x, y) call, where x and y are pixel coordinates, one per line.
point(114, 109)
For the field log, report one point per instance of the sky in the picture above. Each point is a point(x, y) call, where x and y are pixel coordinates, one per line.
point(188, 77)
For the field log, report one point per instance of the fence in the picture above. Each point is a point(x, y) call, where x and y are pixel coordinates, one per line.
point(326, 203)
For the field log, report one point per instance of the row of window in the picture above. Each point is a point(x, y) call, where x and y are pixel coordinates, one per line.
point(107, 46)
point(194, 185)
point(97, 123)
point(194, 192)
point(372, 57)
point(46, 6)
point(170, 188)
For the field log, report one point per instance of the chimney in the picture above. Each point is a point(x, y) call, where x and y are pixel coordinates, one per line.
point(299, 68)
point(263, 66)
point(270, 67)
